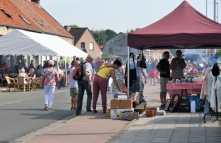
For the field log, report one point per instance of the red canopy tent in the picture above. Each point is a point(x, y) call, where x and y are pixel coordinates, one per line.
point(185, 27)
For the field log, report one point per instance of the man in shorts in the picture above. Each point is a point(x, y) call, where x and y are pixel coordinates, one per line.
point(73, 86)
point(164, 68)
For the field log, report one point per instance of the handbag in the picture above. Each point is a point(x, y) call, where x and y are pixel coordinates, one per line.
point(133, 73)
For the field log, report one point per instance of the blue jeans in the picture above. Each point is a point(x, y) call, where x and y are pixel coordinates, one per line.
point(82, 86)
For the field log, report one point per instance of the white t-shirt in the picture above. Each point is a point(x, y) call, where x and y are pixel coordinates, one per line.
point(73, 83)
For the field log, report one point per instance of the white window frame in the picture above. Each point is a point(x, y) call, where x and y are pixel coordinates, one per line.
point(91, 46)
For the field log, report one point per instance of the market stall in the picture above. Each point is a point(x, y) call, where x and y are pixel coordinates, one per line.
point(183, 28)
point(20, 42)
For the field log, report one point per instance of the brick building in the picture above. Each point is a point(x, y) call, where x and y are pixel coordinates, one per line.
point(84, 40)
point(28, 15)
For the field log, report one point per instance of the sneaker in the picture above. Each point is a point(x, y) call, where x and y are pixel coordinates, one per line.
point(46, 108)
point(51, 109)
point(89, 110)
point(94, 111)
point(78, 114)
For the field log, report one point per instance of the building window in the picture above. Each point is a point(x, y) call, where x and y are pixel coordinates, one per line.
point(91, 46)
point(26, 21)
point(7, 14)
point(45, 23)
point(38, 22)
point(82, 46)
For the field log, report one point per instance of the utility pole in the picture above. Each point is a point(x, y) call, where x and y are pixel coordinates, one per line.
point(214, 10)
point(217, 12)
point(206, 8)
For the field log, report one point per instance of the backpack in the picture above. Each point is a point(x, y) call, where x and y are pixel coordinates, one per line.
point(78, 72)
point(142, 62)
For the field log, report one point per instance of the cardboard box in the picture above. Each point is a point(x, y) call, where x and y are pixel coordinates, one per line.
point(115, 113)
point(140, 108)
point(121, 104)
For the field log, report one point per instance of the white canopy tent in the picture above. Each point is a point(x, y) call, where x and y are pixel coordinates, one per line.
point(20, 42)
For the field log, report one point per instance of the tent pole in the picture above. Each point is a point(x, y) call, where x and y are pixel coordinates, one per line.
point(140, 57)
point(128, 71)
point(65, 72)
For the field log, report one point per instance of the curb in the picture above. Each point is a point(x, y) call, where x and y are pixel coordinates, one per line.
point(45, 129)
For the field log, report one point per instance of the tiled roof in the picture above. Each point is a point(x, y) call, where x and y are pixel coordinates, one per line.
point(39, 19)
point(77, 33)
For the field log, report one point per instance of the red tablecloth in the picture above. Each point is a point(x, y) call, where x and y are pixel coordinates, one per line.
point(176, 88)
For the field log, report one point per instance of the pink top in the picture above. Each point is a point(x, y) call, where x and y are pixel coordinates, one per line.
point(50, 76)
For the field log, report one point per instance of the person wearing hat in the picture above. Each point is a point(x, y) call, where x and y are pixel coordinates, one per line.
point(49, 77)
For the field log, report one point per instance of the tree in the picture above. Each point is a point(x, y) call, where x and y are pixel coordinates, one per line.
point(74, 26)
point(110, 34)
point(100, 36)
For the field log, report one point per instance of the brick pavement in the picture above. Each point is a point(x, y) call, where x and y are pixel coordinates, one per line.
point(93, 128)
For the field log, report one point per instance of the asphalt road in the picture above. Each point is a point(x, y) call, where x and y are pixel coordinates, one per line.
point(22, 113)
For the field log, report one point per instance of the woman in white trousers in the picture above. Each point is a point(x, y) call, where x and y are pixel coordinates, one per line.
point(49, 77)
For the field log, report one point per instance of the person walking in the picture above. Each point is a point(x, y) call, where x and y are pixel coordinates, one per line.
point(153, 71)
point(73, 86)
point(164, 68)
point(177, 66)
point(136, 87)
point(119, 74)
point(99, 63)
point(100, 83)
point(85, 84)
point(49, 77)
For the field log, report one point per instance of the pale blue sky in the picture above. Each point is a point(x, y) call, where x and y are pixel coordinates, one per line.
point(118, 15)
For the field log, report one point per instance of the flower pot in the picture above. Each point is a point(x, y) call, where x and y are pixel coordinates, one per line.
point(150, 113)
point(153, 108)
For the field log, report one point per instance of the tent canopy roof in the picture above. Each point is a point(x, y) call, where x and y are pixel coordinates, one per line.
point(184, 27)
point(21, 42)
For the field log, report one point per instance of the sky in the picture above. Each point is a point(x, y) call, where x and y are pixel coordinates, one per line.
point(118, 15)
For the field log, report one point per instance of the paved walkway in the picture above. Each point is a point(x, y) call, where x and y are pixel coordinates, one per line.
point(170, 128)
point(93, 128)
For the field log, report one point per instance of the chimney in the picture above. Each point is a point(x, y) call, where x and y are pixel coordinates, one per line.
point(36, 1)
point(67, 27)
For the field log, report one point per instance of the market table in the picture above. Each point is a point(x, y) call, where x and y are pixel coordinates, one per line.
point(178, 88)
point(183, 89)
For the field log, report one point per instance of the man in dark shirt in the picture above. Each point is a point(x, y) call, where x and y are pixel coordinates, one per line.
point(73, 61)
point(164, 68)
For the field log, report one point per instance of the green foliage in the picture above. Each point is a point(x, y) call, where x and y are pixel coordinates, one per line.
point(218, 53)
point(68, 60)
point(110, 34)
point(109, 56)
point(74, 26)
point(101, 36)
point(132, 30)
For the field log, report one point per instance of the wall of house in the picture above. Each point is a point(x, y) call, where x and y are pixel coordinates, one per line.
point(69, 40)
point(118, 46)
point(87, 38)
